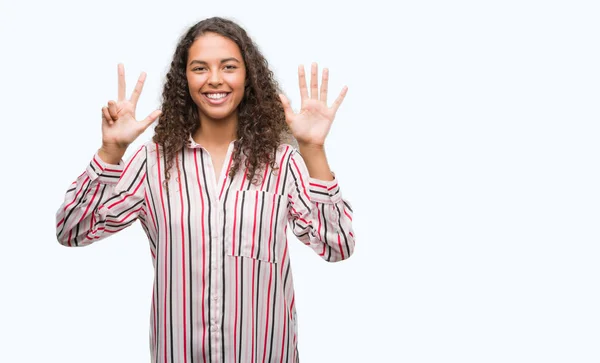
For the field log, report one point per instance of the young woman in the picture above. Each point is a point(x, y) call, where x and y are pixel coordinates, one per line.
point(215, 191)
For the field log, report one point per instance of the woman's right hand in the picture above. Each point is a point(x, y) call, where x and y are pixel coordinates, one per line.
point(119, 125)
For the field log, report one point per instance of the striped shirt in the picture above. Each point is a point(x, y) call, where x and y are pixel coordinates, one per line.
point(223, 289)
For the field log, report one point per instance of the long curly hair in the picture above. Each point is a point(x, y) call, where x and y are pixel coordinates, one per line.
point(261, 119)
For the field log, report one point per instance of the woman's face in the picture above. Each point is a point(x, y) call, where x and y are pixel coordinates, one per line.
point(216, 75)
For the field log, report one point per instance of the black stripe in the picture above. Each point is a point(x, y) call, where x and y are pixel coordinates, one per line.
point(269, 179)
point(223, 269)
point(239, 252)
point(273, 313)
point(133, 206)
point(143, 223)
point(287, 170)
point(325, 232)
point(93, 167)
point(191, 289)
point(275, 231)
point(241, 260)
point(81, 198)
point(126, 190)
point(289, 320)
point(262, 212)
point(303, 234)
point(170, 251)
point(109, 176)
point(347, 206)
point(341, 229)
point(285, 279)
point(94, 210)
point(152, 199)
point(316, 192)
point(71, 189)
point(298, 191)
point(123, 225)
point(156, 277)
point(209, 256)
point(298, 224)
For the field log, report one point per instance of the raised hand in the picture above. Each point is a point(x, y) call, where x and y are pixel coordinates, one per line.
point(311, 124)
point(119, 125)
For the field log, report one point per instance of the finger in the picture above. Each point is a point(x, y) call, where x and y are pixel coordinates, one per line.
point(287, 108)
point(121, 71)
point(302, 82)
point(151, 118)
point(324, 85)
point(137, 91)
point(340, 99)
point(112, 110)
point(314, 81)
point(106, 116)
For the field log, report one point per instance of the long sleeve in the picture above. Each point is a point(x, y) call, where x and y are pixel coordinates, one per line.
point(103, 200)
point(318, 215)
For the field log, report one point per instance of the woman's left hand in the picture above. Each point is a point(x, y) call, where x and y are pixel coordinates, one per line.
point(311, 125)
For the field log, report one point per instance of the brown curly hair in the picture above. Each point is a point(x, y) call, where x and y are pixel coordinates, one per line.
point(261, 120)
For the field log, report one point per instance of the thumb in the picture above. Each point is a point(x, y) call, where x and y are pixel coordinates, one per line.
point(151, 118)
point(287, 109)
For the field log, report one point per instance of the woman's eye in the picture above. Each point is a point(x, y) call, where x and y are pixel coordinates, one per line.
point(197, 69)
point(230, 67)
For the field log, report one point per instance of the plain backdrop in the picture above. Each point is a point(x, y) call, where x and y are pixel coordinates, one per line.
point(467, 145)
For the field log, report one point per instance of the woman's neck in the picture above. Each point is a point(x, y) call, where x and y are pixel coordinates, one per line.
point(216, 133)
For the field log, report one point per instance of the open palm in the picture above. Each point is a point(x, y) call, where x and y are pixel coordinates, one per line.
point(312, 123)
point(119, 125)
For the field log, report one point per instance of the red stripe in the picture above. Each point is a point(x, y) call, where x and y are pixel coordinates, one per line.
point(182, 258)
point(332, 187)
point(226, 174)
point(234, 223)
point(300, 218)
point(340, 245)
point(130, 194)
point(267, 314)
point(301, 180)
point(203, 258)
point(150, 211)
point(264, 177)
point(283, 340)
point(235, 211)
point(318, 185)
point(89, 204)
point(346, 213)
point(131, 160)
point(97, 163)
point(280, 167)
point(166, 246)
point(127, 216)
point(253, 307)
point(319, 228)
point(76, 194)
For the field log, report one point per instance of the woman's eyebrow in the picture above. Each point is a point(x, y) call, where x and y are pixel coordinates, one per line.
point(198, 61)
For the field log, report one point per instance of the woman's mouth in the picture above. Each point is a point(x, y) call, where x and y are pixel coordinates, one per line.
point(216, 98)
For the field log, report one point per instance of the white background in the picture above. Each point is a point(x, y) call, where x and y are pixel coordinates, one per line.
point(467, 145)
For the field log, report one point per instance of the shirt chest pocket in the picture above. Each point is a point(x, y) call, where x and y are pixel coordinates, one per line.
point(256, 225)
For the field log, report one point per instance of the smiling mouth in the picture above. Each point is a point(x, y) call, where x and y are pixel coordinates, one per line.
point(216, 98)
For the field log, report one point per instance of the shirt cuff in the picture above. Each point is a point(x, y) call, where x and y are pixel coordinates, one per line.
point(324, 191)
point(103, 172)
